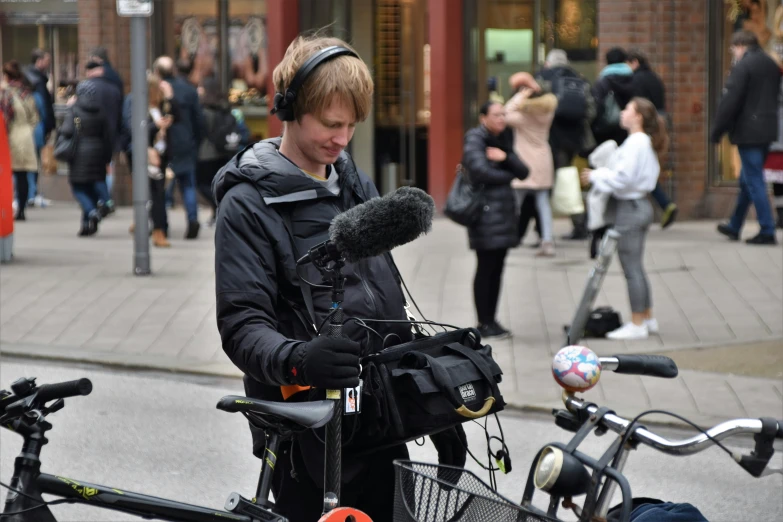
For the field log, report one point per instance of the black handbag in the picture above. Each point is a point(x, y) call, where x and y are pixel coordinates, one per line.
point(426, 386)
point(465, 201)
point(65, 146)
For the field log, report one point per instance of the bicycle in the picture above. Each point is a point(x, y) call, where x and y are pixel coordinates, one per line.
point(434, 493)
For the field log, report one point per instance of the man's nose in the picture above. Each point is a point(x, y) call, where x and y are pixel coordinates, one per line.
point(342, 137)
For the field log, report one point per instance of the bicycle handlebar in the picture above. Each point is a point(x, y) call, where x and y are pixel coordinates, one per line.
point(687, 446)
point(63, 390)
point(652, 365)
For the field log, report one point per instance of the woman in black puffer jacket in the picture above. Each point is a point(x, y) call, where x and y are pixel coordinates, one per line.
point(489, 158)
point(93, 152)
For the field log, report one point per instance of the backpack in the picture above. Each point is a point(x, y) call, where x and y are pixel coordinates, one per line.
point(225, 133)
point(609, 117)
point(602, 321)
point(571, 97)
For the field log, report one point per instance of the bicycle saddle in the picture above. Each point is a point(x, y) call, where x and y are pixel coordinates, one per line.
point(309, 415)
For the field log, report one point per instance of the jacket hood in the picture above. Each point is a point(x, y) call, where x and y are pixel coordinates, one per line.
point(616, 81)
point(616, 69)
point(277, 179)
point(87, 96)
point(540, 105)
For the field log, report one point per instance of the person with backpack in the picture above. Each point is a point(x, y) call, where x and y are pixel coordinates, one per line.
point(612, 91)
point(570, 134)
point(223, 138)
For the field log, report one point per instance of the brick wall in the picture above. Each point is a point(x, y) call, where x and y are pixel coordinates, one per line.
point(673, 33)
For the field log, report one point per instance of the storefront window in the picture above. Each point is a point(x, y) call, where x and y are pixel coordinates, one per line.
point(197, 39)
point(507, 36)
point(727, 17)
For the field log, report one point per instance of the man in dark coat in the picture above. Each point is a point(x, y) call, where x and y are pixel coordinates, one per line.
point(646, 84)
point(276, 200)
point(614, 79)
point(36, 74)
point(184, 138)
point(748, 112)
point(568, 136)
point(108, 70)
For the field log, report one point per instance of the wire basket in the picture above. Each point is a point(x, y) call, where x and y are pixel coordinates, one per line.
point(433, 493)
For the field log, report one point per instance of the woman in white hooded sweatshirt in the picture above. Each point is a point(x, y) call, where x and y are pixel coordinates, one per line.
point(631, 175)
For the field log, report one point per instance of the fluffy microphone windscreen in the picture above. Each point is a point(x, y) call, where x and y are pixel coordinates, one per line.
point(381, 224)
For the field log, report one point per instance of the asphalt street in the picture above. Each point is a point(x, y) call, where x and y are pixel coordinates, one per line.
point(161, 434)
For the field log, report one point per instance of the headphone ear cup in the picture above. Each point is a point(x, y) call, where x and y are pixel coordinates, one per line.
point(283, 104)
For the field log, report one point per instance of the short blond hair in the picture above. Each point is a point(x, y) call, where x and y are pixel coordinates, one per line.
point(345, 77)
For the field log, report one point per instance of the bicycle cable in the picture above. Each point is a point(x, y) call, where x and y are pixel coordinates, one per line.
point(40, 505)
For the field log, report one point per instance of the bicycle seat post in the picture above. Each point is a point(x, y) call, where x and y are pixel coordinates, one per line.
point(268, 468)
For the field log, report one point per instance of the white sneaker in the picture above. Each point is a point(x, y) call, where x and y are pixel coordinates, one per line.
point(629, 332)
point(652, 326)
point(42, 202)
point(14, 206)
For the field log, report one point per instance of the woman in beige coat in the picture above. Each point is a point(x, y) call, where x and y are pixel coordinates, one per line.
point(530, 113)
point(21, 116)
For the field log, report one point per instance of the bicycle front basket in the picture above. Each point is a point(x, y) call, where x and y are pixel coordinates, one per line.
point(433, 493)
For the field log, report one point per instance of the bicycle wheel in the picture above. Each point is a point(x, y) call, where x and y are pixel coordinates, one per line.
point(433, 493)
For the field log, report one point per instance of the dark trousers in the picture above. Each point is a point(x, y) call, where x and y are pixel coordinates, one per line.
point(87, 195)
point(660, 196)
point(22, 187)
point(372, 491)
point(528, 211)
point(158, 208)
point(777, 190)
point(486, 284)
point(753, 191)
point(205, 173)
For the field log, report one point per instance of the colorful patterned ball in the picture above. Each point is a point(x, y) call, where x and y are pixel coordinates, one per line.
point(576, 368)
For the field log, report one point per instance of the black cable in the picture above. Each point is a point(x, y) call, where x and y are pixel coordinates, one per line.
point(629, 432)
point(9, 488)
point(39, 506)
point(311, 284)
point(397, 321)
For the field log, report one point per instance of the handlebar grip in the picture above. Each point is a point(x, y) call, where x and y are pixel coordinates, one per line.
point(652, 365)
point(61, 390)
point(779, 434)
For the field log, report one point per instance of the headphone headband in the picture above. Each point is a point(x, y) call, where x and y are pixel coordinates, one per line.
point(284, 102)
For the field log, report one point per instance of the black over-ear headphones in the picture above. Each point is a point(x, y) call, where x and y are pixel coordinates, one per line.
point(283, 106)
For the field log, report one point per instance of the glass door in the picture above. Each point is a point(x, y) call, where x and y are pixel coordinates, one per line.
point(402, 93)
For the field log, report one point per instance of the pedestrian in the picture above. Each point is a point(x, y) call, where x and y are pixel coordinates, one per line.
point(162, 113)
point(489, 158)
point(570, 134)
point(87, 123)
point(646, 84)
point(773, 166)
point(217, 113)
point(530, 113)
point(36, 74)
point(110, 102)
point(630, 176)
point(612, 91)
point(21, 117)
point(183, 139)
point(748, 112)
point(277, 199)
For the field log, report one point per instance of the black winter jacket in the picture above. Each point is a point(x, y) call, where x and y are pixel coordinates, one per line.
point(110, 99)
point(93, 145)
point(568, 135)
point(621, 87)
point(184, 137)
point(748, 110)
point(646, 84)
point(261, 312)
point(497, 227)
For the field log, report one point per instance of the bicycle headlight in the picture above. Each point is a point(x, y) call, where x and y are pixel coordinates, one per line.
point(561, 474)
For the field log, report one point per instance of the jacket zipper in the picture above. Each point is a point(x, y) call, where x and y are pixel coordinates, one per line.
point(360, 273)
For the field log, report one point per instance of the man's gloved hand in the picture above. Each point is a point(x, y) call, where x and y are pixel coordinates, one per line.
point(452, 446)
point(325, 362)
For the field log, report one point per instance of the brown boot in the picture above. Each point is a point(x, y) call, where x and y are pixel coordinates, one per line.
point(159, 239)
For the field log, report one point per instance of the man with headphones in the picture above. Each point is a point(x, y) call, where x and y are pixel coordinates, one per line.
point(276, 200)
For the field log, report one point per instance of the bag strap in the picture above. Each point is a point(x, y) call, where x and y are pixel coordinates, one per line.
point(480, 363)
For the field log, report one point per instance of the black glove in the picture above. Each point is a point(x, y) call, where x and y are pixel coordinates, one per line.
point(325, 362)
point(452, 446)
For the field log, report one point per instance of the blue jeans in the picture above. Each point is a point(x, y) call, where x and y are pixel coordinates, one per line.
point(753, 190)
point(32, 185)
point(104, 196)
point(187, 186)
point(660, 196)
point(87, 195)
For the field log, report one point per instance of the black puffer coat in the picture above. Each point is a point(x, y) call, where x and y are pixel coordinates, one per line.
point(497, 227)
point(748, 110)
point(93, 145)
point(261, 313)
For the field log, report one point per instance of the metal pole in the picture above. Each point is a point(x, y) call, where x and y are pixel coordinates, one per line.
point(141, 235)
point(225, 58)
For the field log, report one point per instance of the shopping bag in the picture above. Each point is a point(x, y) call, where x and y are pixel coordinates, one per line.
point(567, 192)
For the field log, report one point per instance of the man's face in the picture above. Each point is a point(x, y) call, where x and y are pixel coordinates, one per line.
point(322, 137)
point(738, 51)
point(44, 63)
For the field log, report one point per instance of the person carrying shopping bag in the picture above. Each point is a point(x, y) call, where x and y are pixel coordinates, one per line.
point(630, 176)
point(530, 113)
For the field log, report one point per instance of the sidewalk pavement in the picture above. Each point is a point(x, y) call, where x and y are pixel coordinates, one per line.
point(75, 298)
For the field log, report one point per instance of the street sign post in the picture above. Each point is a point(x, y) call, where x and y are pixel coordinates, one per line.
point(139, 11)
point(134, 7)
